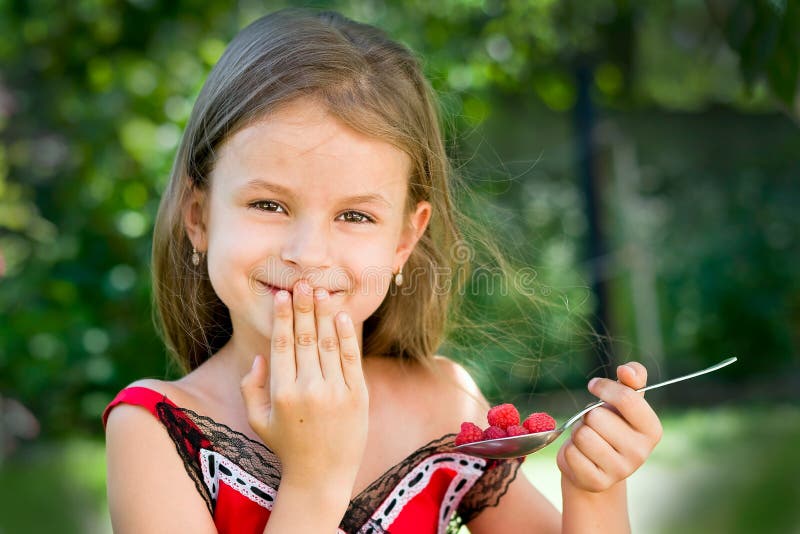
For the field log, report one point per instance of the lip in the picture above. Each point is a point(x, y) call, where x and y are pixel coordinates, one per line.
point(274, 289)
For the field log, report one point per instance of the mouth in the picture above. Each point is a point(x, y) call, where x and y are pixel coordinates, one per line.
point(274, 289)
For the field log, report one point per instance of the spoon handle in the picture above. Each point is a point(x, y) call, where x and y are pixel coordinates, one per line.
point(591, 407)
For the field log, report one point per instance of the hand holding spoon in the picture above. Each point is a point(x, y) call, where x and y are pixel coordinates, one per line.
point(515, 446)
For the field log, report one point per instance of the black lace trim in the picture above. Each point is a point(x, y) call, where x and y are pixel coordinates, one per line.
point(489, 489)
point(188, 440)
point(190, 432)
point(366, 502)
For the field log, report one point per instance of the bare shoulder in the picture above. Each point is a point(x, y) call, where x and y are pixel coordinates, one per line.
point(148, 487)
point(173, 390)
point(453, 386)
point(456, 373)
point(522, 505)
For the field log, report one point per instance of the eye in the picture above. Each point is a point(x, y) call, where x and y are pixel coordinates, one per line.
point(355, 217)
point(358, 218)
point(265, 205)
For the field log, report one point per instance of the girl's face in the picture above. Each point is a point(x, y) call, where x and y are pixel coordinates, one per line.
point(299, 195)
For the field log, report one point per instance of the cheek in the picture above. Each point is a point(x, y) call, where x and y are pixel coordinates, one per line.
point(373, 283)
point(371, 287)
point(232, 270)
point(372, 272)
point(228, 288)
point(232, 265)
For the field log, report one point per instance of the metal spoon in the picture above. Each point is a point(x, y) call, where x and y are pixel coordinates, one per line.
point(516, 446)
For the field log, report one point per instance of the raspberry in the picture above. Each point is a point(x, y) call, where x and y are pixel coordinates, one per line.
point(517, 430)
point(503, 416)
point(469, 433)
point(539, 422)
point(494, 432)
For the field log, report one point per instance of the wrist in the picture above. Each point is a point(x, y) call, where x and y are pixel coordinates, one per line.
point(330, 491)
point(306, 506)
point(569, 488)
point(602, 512)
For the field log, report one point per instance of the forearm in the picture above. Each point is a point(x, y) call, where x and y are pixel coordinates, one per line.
point(301, 509)
point(586, 512)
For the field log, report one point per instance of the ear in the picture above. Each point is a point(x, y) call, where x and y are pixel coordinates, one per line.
point(194, 218)
point(412, 231)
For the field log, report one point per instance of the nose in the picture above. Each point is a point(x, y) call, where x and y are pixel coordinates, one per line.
point(307, 245)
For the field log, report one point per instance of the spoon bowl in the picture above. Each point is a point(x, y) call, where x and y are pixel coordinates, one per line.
point(511, 447)
point(516, 446)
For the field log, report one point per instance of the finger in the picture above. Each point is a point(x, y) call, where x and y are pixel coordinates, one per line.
point(585, 473)
point(254, 392)
point(631, 445)
point(598, 450)
point(632, 374)
point(282, 364)
point(561, 461)
point(611, 427)
point(630, 404)
point(305, 332)
point(328, 343)
point(350, 353)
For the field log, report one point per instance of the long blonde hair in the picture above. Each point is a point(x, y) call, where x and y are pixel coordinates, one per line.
point(372, 84)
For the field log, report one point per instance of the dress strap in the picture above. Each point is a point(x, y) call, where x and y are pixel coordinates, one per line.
point(140, 396)
point(188, 438)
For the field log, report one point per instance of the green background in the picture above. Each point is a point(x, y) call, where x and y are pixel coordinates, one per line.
point(697, 160)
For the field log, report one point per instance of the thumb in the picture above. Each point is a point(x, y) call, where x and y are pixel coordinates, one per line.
point(632, 374)
point(254, 393)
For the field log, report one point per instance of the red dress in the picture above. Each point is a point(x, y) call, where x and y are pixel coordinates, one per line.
point(432, 491)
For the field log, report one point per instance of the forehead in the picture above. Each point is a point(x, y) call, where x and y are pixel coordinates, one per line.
point(304, 148)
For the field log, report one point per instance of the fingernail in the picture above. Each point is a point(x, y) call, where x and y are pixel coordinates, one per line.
point(320, 293)
point(344, 319)
point(255, 361)
point(592, 382)
point(282, 296)
point(631, 369)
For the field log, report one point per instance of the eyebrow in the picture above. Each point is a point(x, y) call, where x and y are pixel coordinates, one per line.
point(258, 184)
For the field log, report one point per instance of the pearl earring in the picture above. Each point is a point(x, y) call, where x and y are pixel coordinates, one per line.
point(195, 257)
point(398, 278)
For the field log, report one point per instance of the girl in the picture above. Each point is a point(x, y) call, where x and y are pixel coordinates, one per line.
point(311, 173)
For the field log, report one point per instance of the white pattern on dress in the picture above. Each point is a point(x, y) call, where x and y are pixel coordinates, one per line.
point(232, 480)
point(468, 470)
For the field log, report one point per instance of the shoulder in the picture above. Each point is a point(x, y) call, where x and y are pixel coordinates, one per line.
point(129, 422)
point(456, 374)
point(173, 390)
point(181, 393)
point(132, 427)
point(138, 411)
point(442, 390)
point(452, 386)
point(458, 385)
point(520, 505)
point(144, 472)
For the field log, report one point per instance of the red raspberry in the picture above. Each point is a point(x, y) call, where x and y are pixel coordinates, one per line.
point(503, 416)
point(494, 432)
point(517, 430)
point(469, 433)
point(539, 422)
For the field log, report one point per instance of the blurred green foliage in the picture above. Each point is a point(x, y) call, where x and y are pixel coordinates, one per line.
point(766, 36)
point(94, 95)
point(710, 473)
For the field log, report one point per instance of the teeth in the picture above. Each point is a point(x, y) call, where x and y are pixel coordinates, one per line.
point(290, 291)
point(272, 287)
